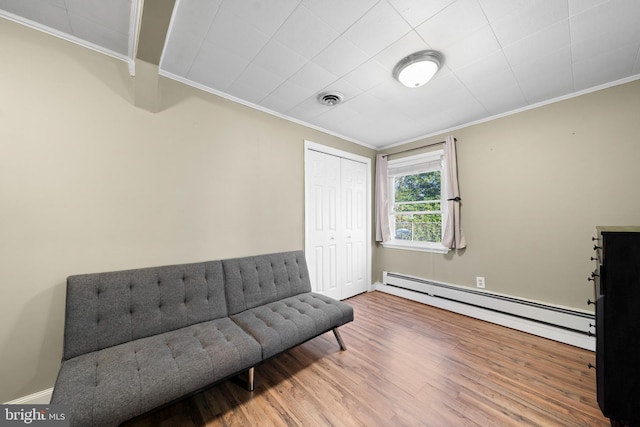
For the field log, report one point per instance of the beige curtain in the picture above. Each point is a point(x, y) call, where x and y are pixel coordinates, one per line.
point(383, 232)
point(453, 237)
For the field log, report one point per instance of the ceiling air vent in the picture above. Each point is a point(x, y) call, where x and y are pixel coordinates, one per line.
point(330, 98)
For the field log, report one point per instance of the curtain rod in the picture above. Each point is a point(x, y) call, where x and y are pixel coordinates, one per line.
point(416, 148)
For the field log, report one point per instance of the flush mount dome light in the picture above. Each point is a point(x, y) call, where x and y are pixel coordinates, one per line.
point(330, 98)
point(418, 68)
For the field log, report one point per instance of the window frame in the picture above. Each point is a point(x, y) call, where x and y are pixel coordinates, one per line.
point(414, 160)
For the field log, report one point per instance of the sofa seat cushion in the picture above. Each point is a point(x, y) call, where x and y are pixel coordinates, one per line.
point(283, 324)
point(109, 386)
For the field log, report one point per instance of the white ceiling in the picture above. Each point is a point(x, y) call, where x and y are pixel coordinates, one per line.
point(278, 55)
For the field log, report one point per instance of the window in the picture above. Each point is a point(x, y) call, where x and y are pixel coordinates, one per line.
point(416, 202)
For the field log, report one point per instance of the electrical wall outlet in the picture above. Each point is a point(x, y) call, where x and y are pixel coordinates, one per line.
point(480, 282)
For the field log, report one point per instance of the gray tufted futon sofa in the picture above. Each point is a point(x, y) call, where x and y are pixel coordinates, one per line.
point(139, 339)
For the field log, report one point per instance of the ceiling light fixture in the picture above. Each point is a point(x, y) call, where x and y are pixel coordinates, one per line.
point(418, 68)
point(330, 98)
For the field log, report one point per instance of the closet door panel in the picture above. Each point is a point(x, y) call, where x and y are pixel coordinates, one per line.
point(323, 207)
point(354, 187)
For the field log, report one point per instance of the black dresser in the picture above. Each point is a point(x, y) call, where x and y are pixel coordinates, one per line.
point(617, 290)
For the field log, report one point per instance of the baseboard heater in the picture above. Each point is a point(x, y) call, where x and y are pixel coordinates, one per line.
point(563, 324)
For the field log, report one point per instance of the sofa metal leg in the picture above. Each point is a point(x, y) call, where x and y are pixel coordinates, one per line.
point(250, 378)
point(339, 338)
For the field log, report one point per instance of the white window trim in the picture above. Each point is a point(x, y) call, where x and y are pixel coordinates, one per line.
point(421, 246)
point(416, 246)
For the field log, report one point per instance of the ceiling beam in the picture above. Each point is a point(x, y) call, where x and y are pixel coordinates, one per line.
point(154, 25)
point(156, 15)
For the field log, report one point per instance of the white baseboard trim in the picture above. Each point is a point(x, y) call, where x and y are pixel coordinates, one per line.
point(524, 325)
point(40, 398)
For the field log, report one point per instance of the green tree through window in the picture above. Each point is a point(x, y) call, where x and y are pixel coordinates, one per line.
point(417, 207)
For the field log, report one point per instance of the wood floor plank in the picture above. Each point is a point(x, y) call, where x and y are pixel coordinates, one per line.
point(407, 364)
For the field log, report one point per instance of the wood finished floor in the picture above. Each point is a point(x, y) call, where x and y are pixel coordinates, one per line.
point(406, 364)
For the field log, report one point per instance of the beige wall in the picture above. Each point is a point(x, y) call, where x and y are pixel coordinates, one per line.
point(534, 185)
point(90, 183)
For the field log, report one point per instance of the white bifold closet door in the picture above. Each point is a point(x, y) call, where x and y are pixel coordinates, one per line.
point(336, 210)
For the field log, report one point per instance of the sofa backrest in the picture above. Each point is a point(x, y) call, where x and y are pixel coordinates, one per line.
point(258, 280)
point(106, 309)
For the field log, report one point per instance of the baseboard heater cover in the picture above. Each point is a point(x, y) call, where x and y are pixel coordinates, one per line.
point(577, 325)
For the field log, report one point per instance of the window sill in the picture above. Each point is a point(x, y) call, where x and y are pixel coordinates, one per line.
point(399, 244)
